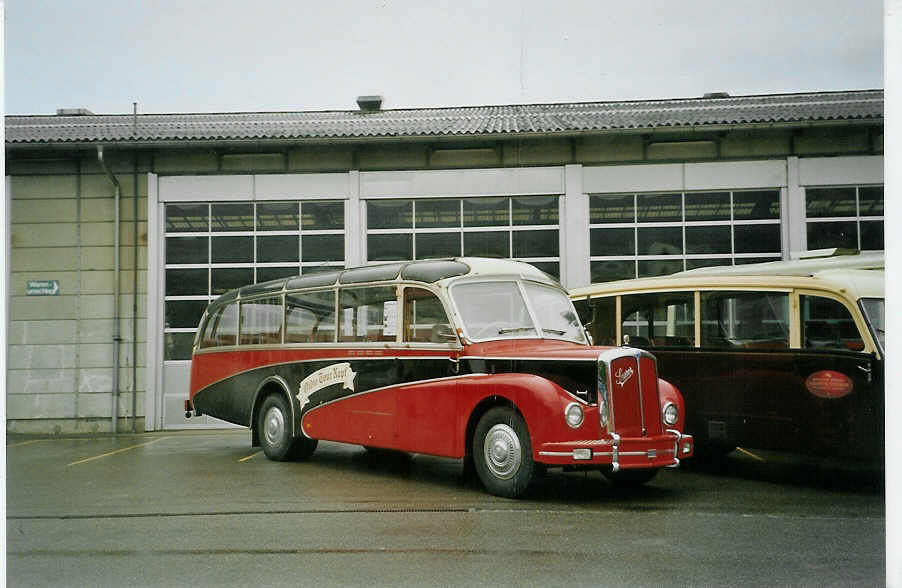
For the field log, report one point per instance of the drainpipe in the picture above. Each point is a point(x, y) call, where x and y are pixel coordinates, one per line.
point(116, 338)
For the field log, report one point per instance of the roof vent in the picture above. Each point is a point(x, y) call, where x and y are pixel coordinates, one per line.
point(369, 103)
point(716, 95)
point(73, 112)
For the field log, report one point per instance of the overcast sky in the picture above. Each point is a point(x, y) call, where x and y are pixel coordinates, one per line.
point(272, 55)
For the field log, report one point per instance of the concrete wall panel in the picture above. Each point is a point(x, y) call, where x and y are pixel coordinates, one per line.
point(27, 357)
point(44, 186)
point(44, 332)
point(51, 210)
point(38, 406)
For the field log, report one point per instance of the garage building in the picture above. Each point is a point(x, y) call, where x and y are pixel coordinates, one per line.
point(123, 227)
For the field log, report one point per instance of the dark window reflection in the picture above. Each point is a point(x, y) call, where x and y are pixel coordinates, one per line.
point(653, 208)
point(178, 345)
point(435, 245)
point(660, 241)
point(389, 214)
point(184, 313)
point(612, 241)
point(323, 216)
point(872, 235)
point(265, 274)
point(658, 267)
point(277, 216)
point(486, 212)
point(870, 201)
point(186, 218)
point(233, 249)
point(534, 210)
point(488, 244)
point(757, 238)
point(757, 205)
point(709, 239)
point(186, 282)
point(614, 208)
point(606, 271)
point(187, 249)
point(708, 206)
point(536, 243)
point(323, 247)
point(277, 248)
point(825, 202)
point(389, 247)
point(438, 213)
point(232, 217)
point(225, 279)
point(832, 234)
point(694, 263)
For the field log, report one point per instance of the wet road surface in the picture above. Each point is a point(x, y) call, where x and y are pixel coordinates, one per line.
point(207, 509)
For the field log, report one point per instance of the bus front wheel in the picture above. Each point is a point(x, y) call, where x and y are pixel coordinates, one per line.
point(502, 453)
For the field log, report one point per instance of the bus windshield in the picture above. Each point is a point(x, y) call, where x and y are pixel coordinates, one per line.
point(498, 310)
point(875, 313)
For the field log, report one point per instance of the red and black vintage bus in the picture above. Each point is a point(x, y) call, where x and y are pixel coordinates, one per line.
point(475, 359)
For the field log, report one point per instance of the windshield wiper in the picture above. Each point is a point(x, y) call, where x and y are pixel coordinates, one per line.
point(555, 331)
point(503, 331)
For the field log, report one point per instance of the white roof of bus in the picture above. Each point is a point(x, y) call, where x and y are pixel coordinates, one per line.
point(482, 266)
point(853, 283)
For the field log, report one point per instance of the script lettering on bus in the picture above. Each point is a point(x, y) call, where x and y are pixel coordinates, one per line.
point(623, 375)
point(340, 373)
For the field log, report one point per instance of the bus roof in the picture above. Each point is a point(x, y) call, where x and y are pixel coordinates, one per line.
point(851, 283)
point(427, 271)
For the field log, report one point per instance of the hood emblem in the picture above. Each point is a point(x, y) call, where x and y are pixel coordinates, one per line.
point(623, 375)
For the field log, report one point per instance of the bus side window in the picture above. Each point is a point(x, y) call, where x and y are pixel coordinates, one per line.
point(368, 314)
point(752, 320)
point(222, 327)
point(827, 324)
point(310, 317)
point(602, 320)
point(665, 319)
point(261, 321)
point(425, 320)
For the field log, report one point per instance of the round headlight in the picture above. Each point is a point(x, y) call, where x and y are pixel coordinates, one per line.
point(573, 414)
point(671, 414)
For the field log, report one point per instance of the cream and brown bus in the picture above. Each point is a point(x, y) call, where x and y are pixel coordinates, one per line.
point(783, 356)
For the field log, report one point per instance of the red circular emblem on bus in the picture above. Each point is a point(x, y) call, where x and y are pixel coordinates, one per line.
point(829, 384)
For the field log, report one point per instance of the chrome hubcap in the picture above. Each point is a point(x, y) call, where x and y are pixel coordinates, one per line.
point(503, 454)
point(274, 426)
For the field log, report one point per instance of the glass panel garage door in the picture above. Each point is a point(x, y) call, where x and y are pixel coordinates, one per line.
point(211, 248)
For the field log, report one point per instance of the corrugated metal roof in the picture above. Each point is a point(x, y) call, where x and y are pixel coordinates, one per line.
point(447, 122)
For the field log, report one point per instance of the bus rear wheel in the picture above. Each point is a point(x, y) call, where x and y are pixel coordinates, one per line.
point(274, 428)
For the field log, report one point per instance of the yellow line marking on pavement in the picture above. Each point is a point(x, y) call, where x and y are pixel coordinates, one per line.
point(750, 454)
point(124, 449)
point(251, 456)
point(24, 443)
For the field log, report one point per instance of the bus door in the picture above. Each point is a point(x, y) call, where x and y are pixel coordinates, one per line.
point(839, 388)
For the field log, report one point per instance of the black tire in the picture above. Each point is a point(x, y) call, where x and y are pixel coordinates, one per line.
point(502, 453)
point(274, 428)
point(630, 478)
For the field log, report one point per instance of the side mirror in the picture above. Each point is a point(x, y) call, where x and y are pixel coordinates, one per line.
point(443, 333)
